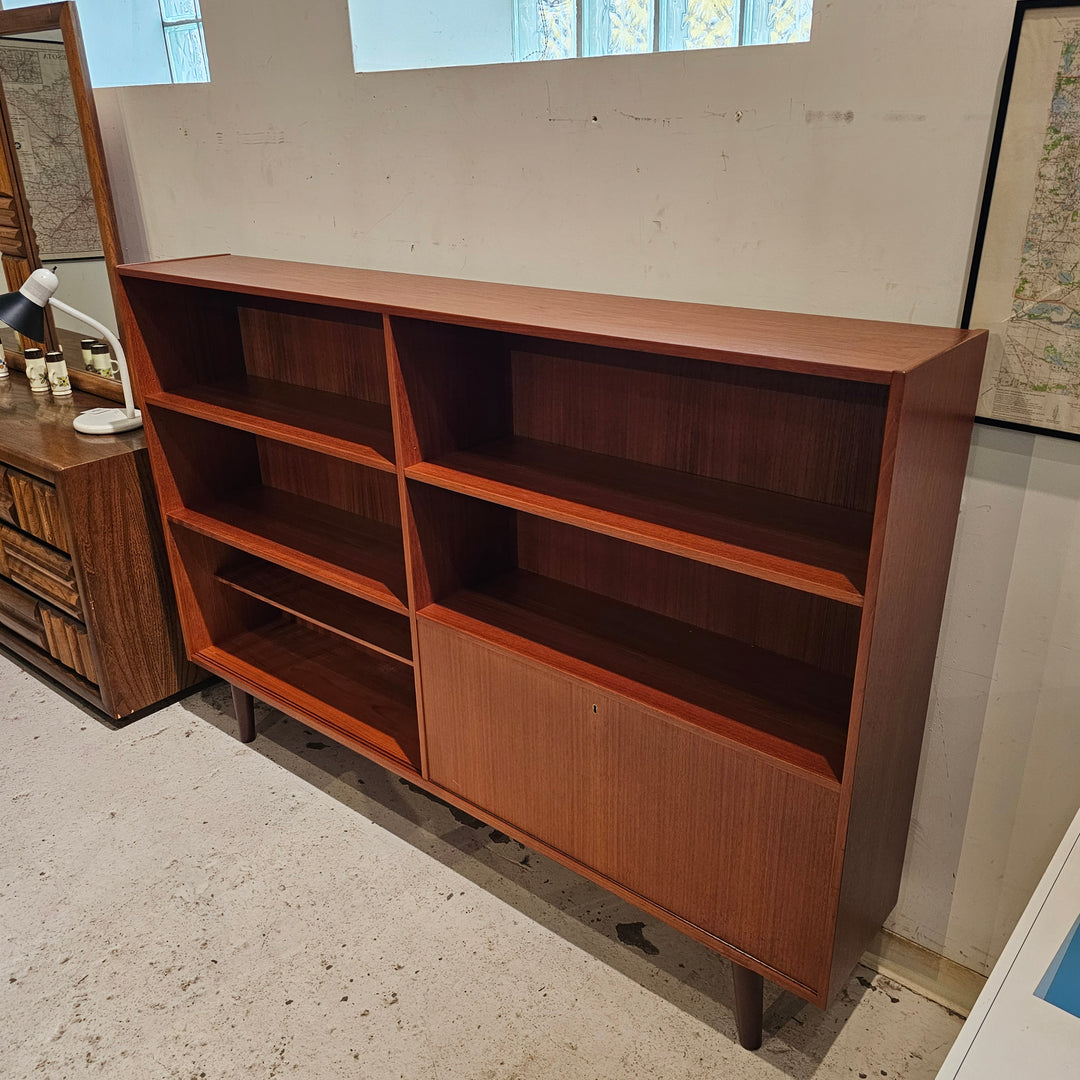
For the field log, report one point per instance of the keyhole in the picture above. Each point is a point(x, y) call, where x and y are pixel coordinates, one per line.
point(594, 708)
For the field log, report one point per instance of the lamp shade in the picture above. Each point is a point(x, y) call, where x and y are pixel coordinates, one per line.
point(23, 315)
point(24, 310)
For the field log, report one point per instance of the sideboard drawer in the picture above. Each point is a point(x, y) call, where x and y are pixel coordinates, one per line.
point(7, 501)
point(68, 642)
point(721, 838)
point(39, 568)
point(19, 611)
point(37, 508)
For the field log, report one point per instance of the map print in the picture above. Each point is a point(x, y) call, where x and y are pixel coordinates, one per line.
point(48, 141)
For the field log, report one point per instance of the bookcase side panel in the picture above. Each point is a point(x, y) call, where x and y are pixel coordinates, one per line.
point(906, 599)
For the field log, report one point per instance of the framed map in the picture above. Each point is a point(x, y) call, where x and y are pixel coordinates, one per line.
point(1025, 277)
point(48, 142)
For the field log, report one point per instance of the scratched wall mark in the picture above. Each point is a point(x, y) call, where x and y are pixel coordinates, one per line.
point(270, 137)
point(663, 121)
point(825, 116)
point(260, 138)
point(904, 118)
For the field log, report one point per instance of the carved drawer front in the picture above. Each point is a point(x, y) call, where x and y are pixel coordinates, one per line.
point(7, 501)
point(37, 508)
point(40, 569)
point(68, 642)
point(724, 839)
point(19, 611)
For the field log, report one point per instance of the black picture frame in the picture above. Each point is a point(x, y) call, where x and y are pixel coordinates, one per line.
point(1023, 9)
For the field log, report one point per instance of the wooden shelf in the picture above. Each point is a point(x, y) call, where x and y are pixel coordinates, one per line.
point(810, 546)
point(365, 696)
point(336, 424)
point(344, 550)
point(357, 620)
point(752, 698)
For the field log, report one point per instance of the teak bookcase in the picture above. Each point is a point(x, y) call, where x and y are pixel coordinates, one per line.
point(654, 587)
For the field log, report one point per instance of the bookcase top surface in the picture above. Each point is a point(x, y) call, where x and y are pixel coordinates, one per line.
point(818, 344)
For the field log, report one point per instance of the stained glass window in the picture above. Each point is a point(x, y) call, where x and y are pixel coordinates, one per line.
point(181, 22)
point(545, 30)
point(620, 26)
point(702, 24)
point(556, 29)
point(786, 20)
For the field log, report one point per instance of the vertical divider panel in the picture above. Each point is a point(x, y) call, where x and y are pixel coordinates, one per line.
point(449, 387)
point(406, 452)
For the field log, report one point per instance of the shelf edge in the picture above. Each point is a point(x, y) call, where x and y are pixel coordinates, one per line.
point(331, 445)
point(724, 556)
point(289, 558)
point(670, 706)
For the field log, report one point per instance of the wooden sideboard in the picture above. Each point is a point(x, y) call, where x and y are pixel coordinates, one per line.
point(85, 594)
point(653, 587)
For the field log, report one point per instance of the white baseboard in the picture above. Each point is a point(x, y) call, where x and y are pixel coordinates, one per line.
point(935, 977)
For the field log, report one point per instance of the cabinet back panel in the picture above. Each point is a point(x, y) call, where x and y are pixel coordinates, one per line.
point(367, 492)
point(341, 352)
point(455, 387)
point(709, 419)
point(805, 627)
point(457, 542)
point(192, 334)
point(202, 460)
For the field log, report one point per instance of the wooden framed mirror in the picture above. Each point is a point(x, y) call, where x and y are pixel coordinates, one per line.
point(56, 206)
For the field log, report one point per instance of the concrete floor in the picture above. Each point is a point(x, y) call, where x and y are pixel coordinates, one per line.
point(177, 906)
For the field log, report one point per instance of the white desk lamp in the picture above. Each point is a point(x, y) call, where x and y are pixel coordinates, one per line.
point(24, 312)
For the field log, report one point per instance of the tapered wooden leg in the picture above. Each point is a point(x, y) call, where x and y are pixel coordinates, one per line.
point(244, 710)
point(749, 990)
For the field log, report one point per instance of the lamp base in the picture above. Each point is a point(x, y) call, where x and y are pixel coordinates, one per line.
point(106, 421)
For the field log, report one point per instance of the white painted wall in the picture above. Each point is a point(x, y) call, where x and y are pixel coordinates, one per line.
point(841, 176)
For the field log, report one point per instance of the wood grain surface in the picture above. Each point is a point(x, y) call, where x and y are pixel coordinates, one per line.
point(922, 478)
point(669, 575)
point(308, 672)
point(342, 549)
point(124, 584)
point(330, 423)
point(771, 705)
point(85, 536)
point(847, 348)
point(364, 623)
point(616, 787)
point(794, 542)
